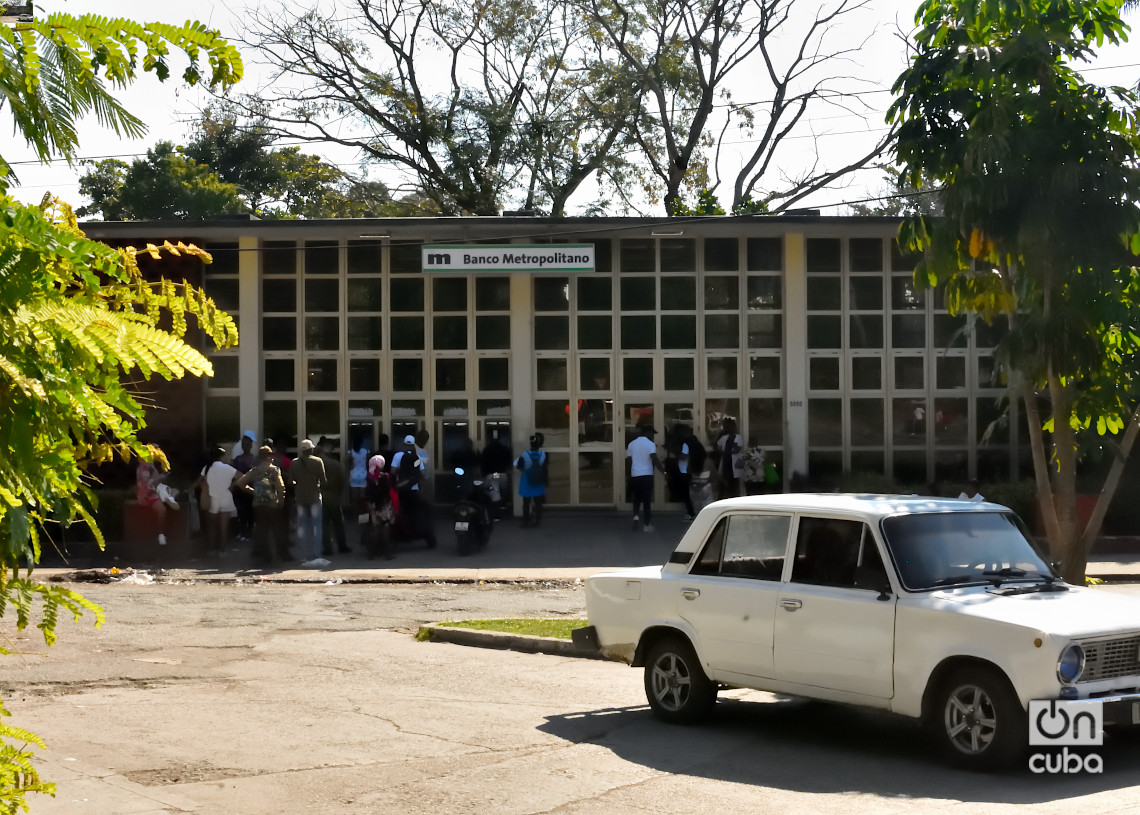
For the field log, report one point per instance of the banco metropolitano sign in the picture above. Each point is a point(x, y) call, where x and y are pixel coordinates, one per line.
point(559, 258)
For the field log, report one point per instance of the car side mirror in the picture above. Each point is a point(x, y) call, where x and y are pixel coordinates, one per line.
point(873, 579)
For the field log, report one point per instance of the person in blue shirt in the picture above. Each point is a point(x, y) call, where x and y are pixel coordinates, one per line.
point(532, 485)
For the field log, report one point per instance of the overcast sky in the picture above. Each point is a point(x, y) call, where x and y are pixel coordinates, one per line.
point(167, 107)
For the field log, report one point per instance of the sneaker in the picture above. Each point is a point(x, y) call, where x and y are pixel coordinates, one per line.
point(649, 528)
point(319, 562)
point(636, 521)
point(161, 539)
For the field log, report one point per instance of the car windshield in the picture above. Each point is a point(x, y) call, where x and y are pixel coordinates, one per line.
point(932, 550)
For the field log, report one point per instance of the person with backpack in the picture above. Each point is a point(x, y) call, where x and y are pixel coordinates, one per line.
point(382, 503)
point(532, 485)
point(415, 512)
point(266, 488)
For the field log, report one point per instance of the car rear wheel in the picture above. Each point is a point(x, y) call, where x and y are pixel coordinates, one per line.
point(675, 684)
point(978, 720)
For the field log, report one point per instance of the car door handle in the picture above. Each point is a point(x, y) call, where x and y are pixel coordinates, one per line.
point(690, 594)
point(790, 604)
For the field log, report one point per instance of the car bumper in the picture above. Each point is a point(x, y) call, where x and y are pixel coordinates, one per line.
point(1121, 710)
point(586, 639)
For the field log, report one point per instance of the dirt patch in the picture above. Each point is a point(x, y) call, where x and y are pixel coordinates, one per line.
point(184, 774)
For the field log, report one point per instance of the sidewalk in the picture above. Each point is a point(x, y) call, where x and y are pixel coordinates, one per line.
point(570, 545)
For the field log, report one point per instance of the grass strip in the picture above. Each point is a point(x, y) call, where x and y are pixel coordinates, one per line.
point(559, 629)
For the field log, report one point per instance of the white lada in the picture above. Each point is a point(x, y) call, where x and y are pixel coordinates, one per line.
point(931, 608)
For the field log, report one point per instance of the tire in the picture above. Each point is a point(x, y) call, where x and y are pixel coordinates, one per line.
point(977, 720)
point(675, 684)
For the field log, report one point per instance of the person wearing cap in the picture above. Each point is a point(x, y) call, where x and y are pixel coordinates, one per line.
point(307, 475)
point(640, 462)
point(532, 484)
point(240, 447)
point(407, 470)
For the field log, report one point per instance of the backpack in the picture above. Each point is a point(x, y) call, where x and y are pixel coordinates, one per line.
point(697, 455)
point(407, 473)
point(535, 469)
point(263, 493)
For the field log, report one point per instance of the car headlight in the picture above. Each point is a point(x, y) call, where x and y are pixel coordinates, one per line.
point(1071, 663)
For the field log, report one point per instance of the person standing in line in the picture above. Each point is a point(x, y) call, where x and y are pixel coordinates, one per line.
point(266, 488)
point(147, 479)
point(729, 445)
point(358, 472)
point(239, 447)
point(427, 487)
point(333, 499)
point(243, 462)
point(534, 467)
point(218, 477)
point(307, 475)
point(381, 502)
point(407, 469)
point(641, 460)
point(685, 460)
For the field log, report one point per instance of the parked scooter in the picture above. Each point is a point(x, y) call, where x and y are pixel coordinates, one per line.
point(474, 518)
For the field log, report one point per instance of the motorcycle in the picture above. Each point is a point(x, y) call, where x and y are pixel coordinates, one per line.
point(498, 488)
point(474, 518)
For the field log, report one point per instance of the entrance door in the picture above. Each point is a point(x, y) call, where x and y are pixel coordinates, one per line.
point(666, 418)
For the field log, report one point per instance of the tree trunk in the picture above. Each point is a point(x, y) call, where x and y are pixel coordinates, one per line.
point(1107, 493)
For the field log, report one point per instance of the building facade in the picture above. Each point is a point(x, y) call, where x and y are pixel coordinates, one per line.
point(808, 331)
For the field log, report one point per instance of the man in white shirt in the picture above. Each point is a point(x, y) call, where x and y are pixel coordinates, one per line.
point(641, 460)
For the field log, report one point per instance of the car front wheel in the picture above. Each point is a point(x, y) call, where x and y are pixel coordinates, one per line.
point(675, 684)
point(979, 721)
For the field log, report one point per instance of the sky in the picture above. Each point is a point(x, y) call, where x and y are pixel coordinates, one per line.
point(167, 107)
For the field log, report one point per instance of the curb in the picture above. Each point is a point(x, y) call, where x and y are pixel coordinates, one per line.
point(434, 632)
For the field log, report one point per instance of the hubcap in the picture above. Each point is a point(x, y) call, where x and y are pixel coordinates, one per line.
point(671, 682)
point(970, 719)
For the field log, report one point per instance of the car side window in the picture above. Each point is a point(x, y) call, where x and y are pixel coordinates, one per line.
point(831, 552)
point(746, 545)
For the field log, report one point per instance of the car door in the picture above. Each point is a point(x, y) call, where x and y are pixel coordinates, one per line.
point(729, 594)
point(835, 623)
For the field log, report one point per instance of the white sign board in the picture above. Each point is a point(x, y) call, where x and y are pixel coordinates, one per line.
point(548, 258)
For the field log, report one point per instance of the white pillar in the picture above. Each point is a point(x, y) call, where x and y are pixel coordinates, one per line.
point(795, 355)
point(522, 366)
point(249, 345)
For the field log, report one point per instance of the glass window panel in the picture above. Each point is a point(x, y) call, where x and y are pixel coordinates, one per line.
point(595, 293)
point(866, 254)
point(909, 419)
point(279, 257)
point(449, 333)
point(406, 294)
point(678, 293)
point(867, 373)
point(722, 254)
point(951, 466)
point(407, 333)
point(722, 373)
point(722, 331)
point(450, 374)
point(987, 372)
point(595, 333)
point(824, 254)
point(279, 375)
point(638, 255)
point(225, 372)
point(364, 375)
point(551, 294)
point(825, 294)
point(492, 332)
point(951, 421)
point(279, 418)
point(908, 331)
point(365, 294)
point(680, 374)
point(866, 293)
point(406, 257)
point(552, 419)
point(825, 422)
point(950, 372)
point(494, 374)
point(987, 336)
point(716, 411)
point(910, 373)
point(638, 294)
point(365, 256)
point(865, 330)
point(949, 332)
point(637, 374)
point(764, 373)
point(910, 467)
point(492, 294)
point(823, 373)
point(722, 293)
point(225, 257)
point(765, 292)
point(825, 467)
point(603, 256)
point(594, 373)
point(867, 422)
point(407, 374)
point(322, 295)
point(765, 331)
point(638, 333)
point(552, 333)
point(678, 255)
point(900, 261)
point(595, 478)
point(320, 375)
point(825, 332)
point(993, 419)
point(322, 333)
point(551, 374)
point(322, 418)
point(765, 255)
point(765, 422)
point(278, 295)
point(223, 419)
point(322, 257)
point(678, 331)
point(224, 293)
point(905, 296)
point(279, 333)
point(868, 461)
point(449, 294)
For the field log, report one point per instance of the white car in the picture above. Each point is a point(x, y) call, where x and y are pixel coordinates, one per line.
point(931, 608)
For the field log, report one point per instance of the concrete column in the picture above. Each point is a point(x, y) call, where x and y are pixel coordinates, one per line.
point(795, 354)
point(522, 366)
point(249, 329)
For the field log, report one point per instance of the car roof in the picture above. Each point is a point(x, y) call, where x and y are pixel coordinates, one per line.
point(864, 504)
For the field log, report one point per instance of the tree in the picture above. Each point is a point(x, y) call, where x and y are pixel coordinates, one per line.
point(1039, 180)
point(898, 197)
point(685, 54)
point(476, 106)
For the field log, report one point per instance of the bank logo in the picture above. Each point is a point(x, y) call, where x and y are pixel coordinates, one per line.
point(1057, 723)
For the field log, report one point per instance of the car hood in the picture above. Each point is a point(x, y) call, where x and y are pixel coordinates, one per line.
point(1078, 612)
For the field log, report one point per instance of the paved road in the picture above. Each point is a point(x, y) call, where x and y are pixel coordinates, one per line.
point(313, 698)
